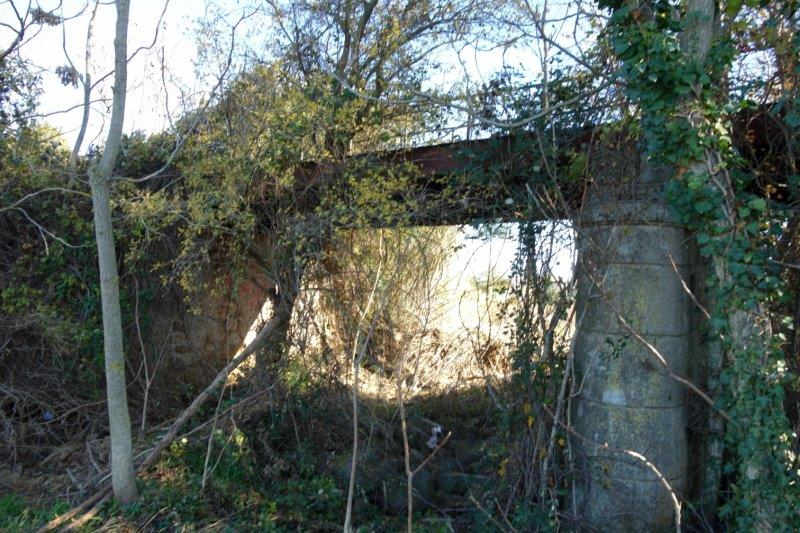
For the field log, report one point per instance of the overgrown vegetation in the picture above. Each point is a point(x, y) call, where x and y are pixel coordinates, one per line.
point(275, 190)
point(686, 116)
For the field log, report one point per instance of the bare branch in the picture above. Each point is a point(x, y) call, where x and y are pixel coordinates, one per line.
point(181, 140)
point(676, 504)
point(42, 191)
point(42, 229)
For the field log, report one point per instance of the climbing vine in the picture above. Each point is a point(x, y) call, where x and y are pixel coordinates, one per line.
point(685, 113)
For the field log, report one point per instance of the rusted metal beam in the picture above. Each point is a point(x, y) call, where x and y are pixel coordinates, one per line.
point(493, 179)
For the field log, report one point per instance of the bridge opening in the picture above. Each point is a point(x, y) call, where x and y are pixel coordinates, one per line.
point(440, 301)
point(410, 335)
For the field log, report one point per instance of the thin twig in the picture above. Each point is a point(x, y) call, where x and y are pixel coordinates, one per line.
point(688, 384)
point(630, 453)
point(660, 357)
point(357, 359)
point(41, 191)
point(496, 522)
point(687, 290)
point(439, 446)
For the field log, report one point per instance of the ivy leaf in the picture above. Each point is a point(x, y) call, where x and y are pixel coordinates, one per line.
point(733, 7)
point(695, 182)
point(703, 207)
point(758, 204)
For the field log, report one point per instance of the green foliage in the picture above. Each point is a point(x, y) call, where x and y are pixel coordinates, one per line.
point(235, 496)
point(48, 292)
point(685, 119)
point(19, 91)
point(16, 516)
point(50, 316)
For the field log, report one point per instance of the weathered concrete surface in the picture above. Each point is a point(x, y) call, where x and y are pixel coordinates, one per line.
point(627, 247)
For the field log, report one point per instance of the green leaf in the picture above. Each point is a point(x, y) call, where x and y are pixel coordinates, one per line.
point(703, 206)
point(733, 7)
point(758, 204)
point(620, 46)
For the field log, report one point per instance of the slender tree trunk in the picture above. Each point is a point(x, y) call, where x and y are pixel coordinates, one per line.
point(744, 335)
point(122, 473)
point(696, 42)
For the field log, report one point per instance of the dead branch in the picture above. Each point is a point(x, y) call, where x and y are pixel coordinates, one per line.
point(259, 342)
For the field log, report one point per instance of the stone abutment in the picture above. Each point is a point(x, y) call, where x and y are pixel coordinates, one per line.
point(630, 416)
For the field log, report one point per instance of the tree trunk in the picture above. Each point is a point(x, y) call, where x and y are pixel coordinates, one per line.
point(744, 335)
point(122, 473)
point(696, 42)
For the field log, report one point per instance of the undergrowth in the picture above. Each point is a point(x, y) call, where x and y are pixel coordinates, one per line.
point(308, 492)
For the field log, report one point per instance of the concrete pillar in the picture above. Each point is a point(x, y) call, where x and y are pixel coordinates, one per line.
point(626, 402)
